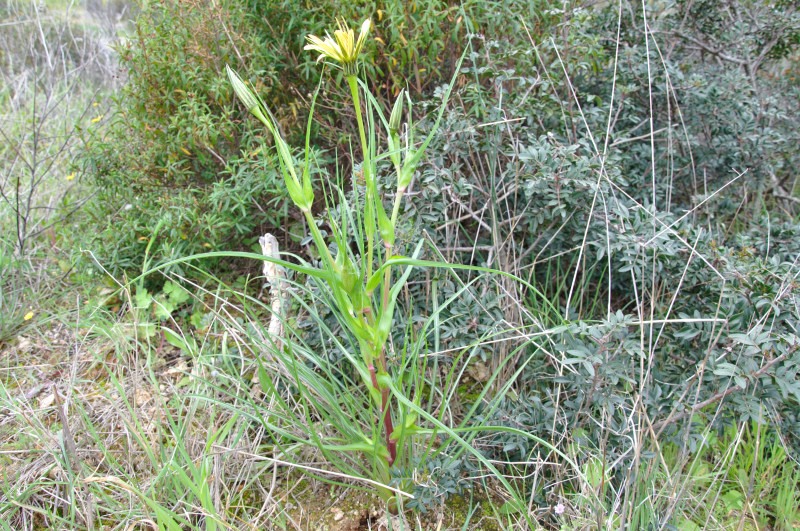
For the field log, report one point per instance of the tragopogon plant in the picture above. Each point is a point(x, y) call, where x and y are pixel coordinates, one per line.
point(363, 285)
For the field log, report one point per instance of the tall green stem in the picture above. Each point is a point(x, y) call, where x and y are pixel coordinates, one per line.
point(366, 168)
point(370, 209)
point(352, 81)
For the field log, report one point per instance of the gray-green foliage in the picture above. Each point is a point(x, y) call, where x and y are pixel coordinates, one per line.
point(714, 256)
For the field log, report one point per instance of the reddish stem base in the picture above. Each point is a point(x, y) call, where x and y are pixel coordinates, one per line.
point(388, 425)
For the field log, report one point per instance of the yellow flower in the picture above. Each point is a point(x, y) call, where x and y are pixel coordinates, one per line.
point(343, 47)
point(71, 176)
point(28, 316)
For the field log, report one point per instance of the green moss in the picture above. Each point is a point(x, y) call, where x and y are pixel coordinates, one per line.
point(462, 513)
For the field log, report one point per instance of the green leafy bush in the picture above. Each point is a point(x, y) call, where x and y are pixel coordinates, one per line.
point(176, 154)
point(176, 132)
point(679, 285)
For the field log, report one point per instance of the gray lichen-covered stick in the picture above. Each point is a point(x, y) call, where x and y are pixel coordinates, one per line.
point(275, 275)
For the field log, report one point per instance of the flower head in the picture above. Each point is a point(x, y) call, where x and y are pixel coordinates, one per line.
point(343, 47)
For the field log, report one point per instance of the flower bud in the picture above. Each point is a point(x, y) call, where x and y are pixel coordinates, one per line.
point(244, 94)
point(397, 114)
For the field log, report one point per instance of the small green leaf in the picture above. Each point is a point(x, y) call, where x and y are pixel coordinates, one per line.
point(146, 330)
point(164, 309)
point(511, 507)
point(142, 299)
point(175, 293)
point(173, 338)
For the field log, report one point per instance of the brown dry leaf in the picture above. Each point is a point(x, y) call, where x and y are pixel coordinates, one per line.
point(479, 372)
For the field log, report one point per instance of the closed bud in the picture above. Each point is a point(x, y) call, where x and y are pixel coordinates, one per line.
point(244, 94)
point(396, 118)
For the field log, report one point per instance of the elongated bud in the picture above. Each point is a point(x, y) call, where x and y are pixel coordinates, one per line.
point(396, 118)
point(302, 194)
point(395, 121)
point(244, 94)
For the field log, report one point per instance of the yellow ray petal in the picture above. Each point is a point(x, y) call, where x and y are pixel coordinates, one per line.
point(342, 47)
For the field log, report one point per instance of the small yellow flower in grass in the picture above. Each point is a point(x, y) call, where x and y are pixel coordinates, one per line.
point(71, 176)
point(97, 119)
point(28, 316)
point(343, 47)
